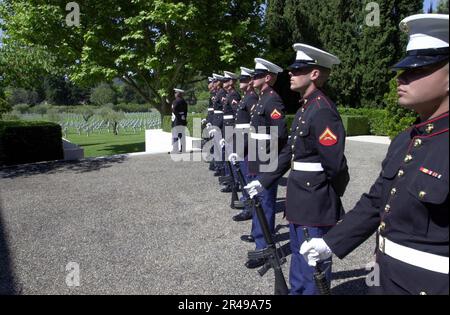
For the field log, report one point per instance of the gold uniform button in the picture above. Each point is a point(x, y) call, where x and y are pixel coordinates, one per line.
point(393, 191)
point(408, 158)
point(301, 132)
point(295, 138)
point(417, 143)
point(401, 173)
point(423, 293)
point(422, 194)
point(308, 184)
point(387, 208)
point(382, 226)
point(429, 128)
point(303, 122)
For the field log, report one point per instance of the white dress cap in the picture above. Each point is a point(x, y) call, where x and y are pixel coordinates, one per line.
point(262, 64)
point(314, 56)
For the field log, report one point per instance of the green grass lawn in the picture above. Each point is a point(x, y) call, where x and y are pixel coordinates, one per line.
point(105, 144)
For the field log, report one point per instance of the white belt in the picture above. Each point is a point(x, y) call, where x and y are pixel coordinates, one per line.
point(412, 256)
point(307, 167)
point(242, 126)
point(218, 112)
point(228, 117)
point(210, 109)
point(260, 136)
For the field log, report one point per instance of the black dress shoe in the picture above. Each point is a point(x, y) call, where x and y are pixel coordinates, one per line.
point(226, 189)
point(243, 216)
point(237, 204)
point(248, 238)
point(255, 263)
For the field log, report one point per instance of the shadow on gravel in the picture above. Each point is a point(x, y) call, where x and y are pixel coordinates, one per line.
point(126, 148)
point(280, 205)
point(352, 287)
point(7, 281)
point(83, 166)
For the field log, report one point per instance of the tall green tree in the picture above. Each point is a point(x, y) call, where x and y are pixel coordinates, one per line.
point(151, 45)
point(348, 29)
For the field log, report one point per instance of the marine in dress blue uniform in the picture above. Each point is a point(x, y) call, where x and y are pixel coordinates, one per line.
point(315, 157)
point(408, 205)
point(268, 112)
point(179, 122)
point(229, 112)
point(242, 128)
point(217, 124)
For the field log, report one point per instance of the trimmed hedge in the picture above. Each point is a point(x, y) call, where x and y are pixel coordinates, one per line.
point(355, 125)
point(29, 141)
point(377, 118)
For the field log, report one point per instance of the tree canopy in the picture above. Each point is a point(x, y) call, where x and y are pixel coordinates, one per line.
point(151, 45)
point(348, 29)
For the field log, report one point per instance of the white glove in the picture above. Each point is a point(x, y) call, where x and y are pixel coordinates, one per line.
point(208, 125)
point(315, 250)
point(222, 143)
point(233, 157)
point(203, 121)
point(254, 188)
point(212, 132)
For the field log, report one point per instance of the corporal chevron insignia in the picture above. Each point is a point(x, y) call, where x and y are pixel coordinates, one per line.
point(328, 138)
point(275, 115)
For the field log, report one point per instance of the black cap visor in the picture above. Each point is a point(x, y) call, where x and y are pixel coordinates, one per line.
point(422, 58)
point(245, 78)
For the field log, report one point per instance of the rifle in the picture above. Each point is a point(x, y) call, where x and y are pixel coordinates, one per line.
point(232, 183)
point(270, 253)
point(319, 274)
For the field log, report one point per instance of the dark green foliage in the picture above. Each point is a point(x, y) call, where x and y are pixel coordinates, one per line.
point(355, 125)
point(132, 108)
point(167, 123)
point(28, 142)
point(399, 118)
point(442, 7)
point(4, 107)
point(338, 26)
point(103, 94)
point(377, 118)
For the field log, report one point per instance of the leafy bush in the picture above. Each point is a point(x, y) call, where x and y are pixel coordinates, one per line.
point(4, 107)
point(167, 122)
point(132, 107)
point(29, 141)
point(399, 118)
point(21, 108)
point(40, 109)
point(103, 94)
point(355, 125)
point(199, 108)
point(377, 118)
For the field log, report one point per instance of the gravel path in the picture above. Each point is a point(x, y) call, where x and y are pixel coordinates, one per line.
point(144, 225)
